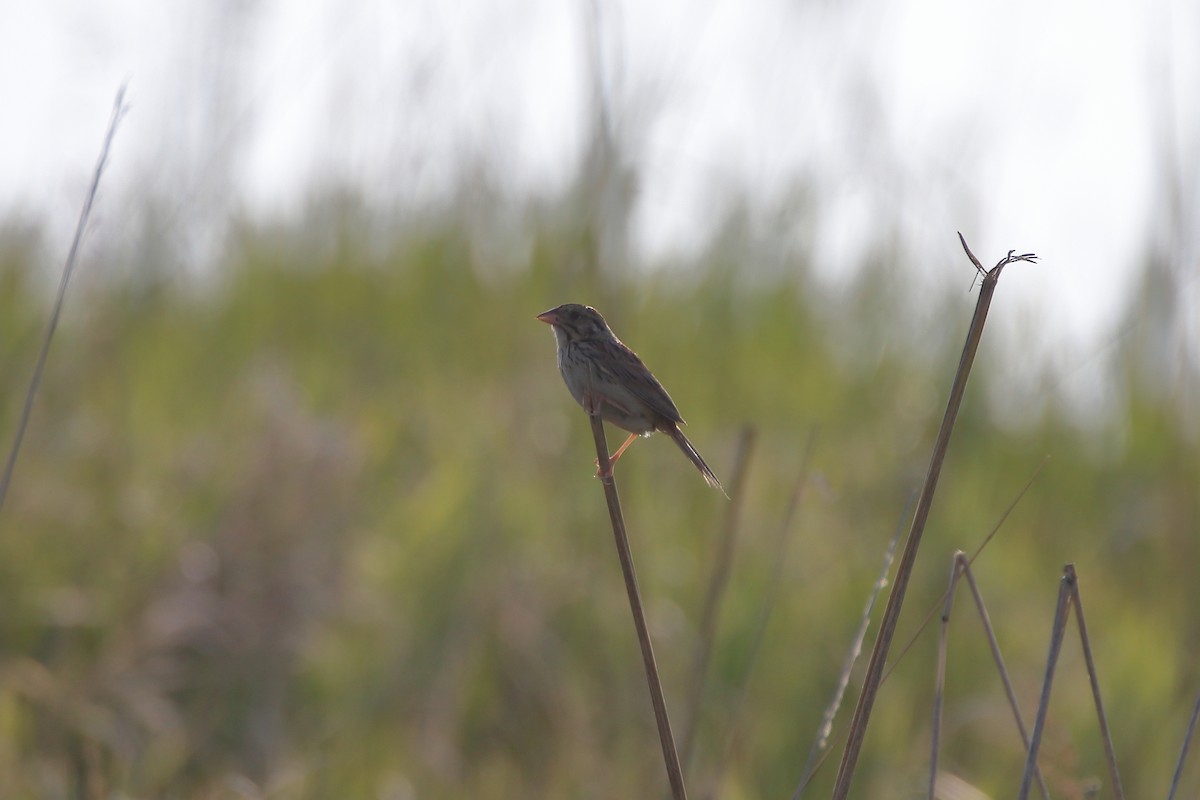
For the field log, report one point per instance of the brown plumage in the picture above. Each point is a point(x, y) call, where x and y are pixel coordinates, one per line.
point(607, 378)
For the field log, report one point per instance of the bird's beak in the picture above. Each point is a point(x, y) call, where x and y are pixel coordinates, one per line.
point(548, 317)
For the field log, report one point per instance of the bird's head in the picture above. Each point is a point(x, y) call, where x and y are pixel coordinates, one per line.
point(576, 322)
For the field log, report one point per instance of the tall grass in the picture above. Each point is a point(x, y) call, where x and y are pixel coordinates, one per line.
point(329, 527)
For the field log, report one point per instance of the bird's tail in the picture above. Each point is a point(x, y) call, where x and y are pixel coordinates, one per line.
point(695, 457)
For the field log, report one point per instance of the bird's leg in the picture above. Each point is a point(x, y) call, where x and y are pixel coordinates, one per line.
point(612, 460)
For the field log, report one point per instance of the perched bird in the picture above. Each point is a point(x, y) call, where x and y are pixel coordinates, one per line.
point(607, 378)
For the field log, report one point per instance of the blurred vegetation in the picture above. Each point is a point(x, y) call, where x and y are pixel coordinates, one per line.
point(323, 524)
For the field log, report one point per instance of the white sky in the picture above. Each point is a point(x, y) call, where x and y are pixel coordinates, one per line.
point(1028, 125)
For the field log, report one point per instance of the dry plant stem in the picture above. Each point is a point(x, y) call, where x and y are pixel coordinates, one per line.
point(891, 614)
point(940, 680)
point(1056, 638)
point(717, 583)
point(1011, 693)
point(1187, 740)
point(68, 268)
point(1069, 595)
point(961, 568)
point(670, 757)
point(810, 767)
point(1084, 641)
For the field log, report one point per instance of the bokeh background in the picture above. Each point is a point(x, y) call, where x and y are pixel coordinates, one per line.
point(304, 509)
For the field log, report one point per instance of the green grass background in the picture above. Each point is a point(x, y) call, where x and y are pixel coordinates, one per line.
point(323, 524)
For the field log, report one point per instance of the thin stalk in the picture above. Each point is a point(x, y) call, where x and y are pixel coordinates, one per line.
point(962, 569)
point(1109, 752)
point(939, 689)
point(814, 763)
point(1187, 740)
point(1056, 640)
point(1011, 693)
point(68, 268)
point(670, 757)
point(891, 614)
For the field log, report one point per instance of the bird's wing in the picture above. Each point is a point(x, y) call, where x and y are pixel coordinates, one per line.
point(632, 374)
